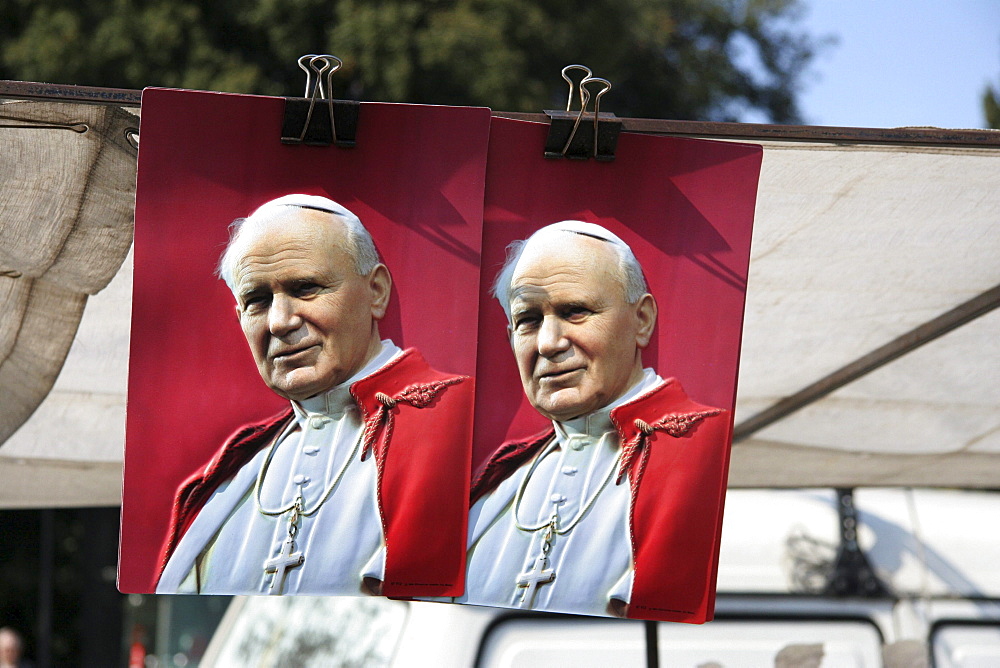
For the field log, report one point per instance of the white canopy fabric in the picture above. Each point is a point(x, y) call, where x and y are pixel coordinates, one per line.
point(856, 248)
point(871, 355)
point(66, 205)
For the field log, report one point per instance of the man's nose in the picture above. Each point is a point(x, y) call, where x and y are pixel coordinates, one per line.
point(283, 316)
point(552, 337)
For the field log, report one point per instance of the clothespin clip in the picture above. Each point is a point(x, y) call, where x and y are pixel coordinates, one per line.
point(317, 119)
point(566, 138)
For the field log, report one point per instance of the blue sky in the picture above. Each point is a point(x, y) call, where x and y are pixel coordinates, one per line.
point(913, 62)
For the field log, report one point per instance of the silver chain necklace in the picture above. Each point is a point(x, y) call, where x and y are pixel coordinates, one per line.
point(540, 573)
point(559, 529)
point(298, 501)
point(288, 558)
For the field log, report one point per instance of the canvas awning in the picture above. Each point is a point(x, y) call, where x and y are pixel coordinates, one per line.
point(874, 272)
point(871, 353)
point(66, 206)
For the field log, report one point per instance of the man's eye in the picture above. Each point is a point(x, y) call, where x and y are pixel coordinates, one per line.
point(256, 302)
point(306, 289)
point(525, 323)
point(577, 313)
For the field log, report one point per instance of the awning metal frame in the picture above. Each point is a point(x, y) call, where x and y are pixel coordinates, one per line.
point(126, 97)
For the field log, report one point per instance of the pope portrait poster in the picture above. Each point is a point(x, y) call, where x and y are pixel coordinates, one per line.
point(434, 366)
point(301, 422)
point(608, 353)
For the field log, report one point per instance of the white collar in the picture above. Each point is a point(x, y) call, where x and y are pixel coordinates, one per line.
point(334, 401)
point(599, 422)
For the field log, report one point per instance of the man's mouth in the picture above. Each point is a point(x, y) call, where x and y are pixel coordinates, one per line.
point(290, 352)
point(558, 374)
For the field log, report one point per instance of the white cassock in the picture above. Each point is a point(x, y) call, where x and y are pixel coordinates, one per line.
point(588, 562)
point(339, 532)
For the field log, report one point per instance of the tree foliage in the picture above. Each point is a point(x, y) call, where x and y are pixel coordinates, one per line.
point(685, 59)
point(991, 108)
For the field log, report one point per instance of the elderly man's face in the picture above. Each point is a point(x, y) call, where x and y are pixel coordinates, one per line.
point(576, 339)
point(310, 319)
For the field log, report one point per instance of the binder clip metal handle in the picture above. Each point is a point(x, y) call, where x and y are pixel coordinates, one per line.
point(565, 140)
point(584, 93)
point(584, 100)
point(597, 111)
point(307, 120)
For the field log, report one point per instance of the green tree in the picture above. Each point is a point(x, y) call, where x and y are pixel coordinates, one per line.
point(991, 107)
point(685, 59)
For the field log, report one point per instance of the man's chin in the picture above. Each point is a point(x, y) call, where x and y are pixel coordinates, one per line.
point(297, 389)
point(561, 410)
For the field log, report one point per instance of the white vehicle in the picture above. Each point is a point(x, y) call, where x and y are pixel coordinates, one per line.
point(790, 594)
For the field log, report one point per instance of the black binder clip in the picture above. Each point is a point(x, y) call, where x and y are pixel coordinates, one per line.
point(567, 139)
point(317, 119)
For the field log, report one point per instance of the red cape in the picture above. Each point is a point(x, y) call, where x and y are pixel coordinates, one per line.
point(676, 457)
point(418, 424)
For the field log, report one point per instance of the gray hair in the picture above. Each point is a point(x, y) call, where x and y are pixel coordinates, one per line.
point(629, 269)
point(359, 242)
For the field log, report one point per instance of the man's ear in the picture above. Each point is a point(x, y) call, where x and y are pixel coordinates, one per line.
point(380, 284)
point(645, 313)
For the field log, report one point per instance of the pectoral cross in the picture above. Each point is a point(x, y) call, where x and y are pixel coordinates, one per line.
point(288, 557)
point(280, 565)
point(531, 579)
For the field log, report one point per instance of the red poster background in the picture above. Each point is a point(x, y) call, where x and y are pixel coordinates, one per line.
point(415, 180)
point(685, 206)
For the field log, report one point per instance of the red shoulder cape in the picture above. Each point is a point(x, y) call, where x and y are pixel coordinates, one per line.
point(418, 425)
point(676, 457)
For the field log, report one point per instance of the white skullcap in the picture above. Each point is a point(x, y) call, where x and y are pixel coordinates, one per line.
point(586, 229)
point(306, 202)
